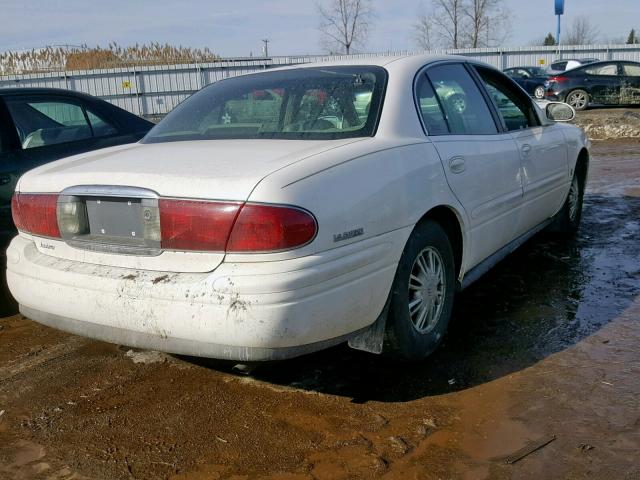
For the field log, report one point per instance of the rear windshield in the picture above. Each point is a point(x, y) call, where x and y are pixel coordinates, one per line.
point(304, 103)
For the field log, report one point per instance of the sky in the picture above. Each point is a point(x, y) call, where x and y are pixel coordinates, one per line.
point(235, 28)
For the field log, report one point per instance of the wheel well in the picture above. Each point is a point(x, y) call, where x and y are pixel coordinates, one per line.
point(448, 220)
point(582, 166)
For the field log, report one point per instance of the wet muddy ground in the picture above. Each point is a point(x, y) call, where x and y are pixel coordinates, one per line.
point(545, 348)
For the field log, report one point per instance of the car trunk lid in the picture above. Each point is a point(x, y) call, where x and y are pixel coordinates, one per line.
point(119, 190)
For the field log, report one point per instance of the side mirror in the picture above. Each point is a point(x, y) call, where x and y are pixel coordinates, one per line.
point(560, 112)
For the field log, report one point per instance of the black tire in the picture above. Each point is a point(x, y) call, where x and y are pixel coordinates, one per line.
point(539, 92)
point(578, 99)
point(567, 220)
point(403, 338)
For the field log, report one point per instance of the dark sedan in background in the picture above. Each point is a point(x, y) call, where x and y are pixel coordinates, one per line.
point(41, 125)
point(601, 83)
point(532, 79)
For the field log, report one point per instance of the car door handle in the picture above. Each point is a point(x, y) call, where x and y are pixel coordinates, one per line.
point(5, 179)
point(526, 150)
point(457, 165)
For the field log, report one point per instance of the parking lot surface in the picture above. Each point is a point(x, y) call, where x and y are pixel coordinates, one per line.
point(544, 351)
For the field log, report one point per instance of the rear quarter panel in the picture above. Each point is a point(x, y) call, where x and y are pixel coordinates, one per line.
point(371, 188)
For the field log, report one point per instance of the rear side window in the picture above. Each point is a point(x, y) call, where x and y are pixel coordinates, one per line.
point(608, 69)
point(100, 126)
point(42, 121)
point(631, 70)
point(429, 108)
point(465, 109)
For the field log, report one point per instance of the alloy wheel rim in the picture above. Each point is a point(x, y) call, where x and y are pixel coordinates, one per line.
point(577, 100)
point(427, 288)
point(539, 92)
point(574, 193)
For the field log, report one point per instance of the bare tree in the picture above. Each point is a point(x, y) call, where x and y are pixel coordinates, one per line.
point(449, 21)
point(582, 32)
point(488, 22)
point(423, 30)
point(345, 23)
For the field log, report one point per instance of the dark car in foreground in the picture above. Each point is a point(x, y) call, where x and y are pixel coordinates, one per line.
point(39, 125)
point(601, 83)
point(532, 79)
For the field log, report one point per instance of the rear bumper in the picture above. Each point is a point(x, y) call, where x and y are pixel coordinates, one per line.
point(183, 346)
point(241, 311)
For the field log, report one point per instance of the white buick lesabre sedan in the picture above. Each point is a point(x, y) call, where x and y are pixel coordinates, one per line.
point(278, 213)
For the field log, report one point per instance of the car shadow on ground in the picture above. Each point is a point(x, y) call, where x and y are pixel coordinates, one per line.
point(542, 299)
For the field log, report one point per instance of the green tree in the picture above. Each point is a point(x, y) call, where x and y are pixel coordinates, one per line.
point(632, 38)
point(549, 40)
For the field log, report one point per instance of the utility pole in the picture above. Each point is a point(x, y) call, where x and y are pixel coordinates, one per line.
point(265, 48)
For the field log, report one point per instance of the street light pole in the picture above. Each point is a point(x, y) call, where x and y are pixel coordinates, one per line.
point(559, 4)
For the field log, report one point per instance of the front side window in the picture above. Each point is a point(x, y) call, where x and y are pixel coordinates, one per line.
point(607, 69)
point(514, 107)
point(305, 103)
point(40, 121)
point(429, 108)
point(465, 109)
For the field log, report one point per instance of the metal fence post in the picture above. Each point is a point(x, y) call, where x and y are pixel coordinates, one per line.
point(138, 85)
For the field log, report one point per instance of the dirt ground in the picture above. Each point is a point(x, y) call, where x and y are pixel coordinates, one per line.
point(545, 348)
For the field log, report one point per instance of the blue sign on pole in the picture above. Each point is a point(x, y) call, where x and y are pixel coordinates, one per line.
point(559, 7)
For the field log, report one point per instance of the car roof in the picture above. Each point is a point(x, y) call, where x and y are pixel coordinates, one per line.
point(599, 62)
point(389, 62)
point(576, 60)
point(40, 91)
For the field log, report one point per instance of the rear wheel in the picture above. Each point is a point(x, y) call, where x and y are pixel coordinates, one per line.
point(578, 99)
point(538, 92)
point(422, 294)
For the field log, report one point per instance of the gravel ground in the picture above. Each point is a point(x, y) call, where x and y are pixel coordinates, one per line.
point(545, 349)
point(610, 123)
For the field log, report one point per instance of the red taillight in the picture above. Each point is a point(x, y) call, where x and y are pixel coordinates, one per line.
point(264, 228)
point(559, 79)
point(196, 225)
point(193, 225)
point(18, 219)
point(36, 214)
point(233, 227)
